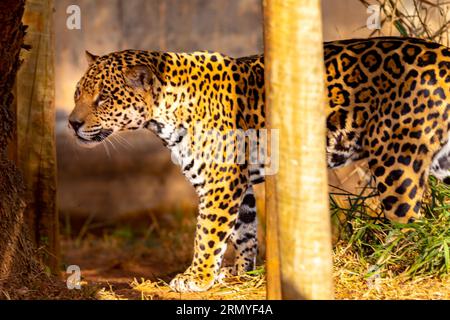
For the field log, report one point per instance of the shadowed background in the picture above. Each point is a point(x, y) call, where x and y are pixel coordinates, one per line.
point(135, 175)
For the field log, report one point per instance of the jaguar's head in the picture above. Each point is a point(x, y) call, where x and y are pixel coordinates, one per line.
point(113, 95)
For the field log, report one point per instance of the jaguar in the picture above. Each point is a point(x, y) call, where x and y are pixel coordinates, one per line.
point(386, 102)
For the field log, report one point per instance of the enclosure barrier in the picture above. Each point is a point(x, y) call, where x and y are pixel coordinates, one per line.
point(299, 261)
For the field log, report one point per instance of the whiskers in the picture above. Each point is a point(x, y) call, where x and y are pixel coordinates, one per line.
point(105, 146)
point(116, 142)
point(123, 142)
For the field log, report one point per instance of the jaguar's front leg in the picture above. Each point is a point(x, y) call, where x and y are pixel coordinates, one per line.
point(219, 207)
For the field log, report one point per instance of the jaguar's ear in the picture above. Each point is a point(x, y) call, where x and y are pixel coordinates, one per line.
point(90, 57)
point(138, 77)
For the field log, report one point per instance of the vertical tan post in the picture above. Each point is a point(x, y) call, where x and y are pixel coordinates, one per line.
point(272, 243)
point(35, 130)
point(298, 194)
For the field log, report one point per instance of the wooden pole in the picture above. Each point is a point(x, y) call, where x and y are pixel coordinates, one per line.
point(272, 243)
point(298, 195)
point(36, 153)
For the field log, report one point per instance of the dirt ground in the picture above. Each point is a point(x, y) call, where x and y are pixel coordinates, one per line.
point(137, 261)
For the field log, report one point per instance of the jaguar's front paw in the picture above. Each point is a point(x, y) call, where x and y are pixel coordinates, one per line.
point(191, 282)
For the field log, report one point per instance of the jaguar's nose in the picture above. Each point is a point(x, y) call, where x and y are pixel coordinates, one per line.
point(75, 124)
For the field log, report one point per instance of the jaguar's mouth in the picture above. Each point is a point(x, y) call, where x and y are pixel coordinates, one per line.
point(95, 138)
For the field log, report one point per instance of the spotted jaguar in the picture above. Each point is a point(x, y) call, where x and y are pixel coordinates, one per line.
point(386, 102)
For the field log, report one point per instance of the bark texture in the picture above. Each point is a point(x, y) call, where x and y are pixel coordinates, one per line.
point(18, 266)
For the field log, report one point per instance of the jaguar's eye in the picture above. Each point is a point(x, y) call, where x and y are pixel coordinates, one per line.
point(77, 93)
point(99, 100)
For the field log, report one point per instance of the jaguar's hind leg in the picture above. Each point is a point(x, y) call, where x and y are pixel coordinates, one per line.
point(244, 236)
point(400, 180)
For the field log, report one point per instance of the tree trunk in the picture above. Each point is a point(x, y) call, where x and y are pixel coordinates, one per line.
point(296, 106)
point(18, 267)
point(36, 152)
